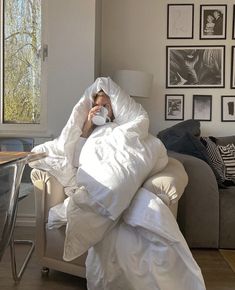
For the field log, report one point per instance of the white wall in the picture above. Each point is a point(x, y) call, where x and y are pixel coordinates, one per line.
point(71, 61)
point(134, 37)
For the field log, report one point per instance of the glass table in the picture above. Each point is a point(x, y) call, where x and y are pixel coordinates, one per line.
point(11, 169)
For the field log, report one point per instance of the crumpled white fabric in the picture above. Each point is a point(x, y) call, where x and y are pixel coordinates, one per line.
point(114, 163)
point(115, 160)
point(92, 209)
point(112, 168)
point(145, 250)
point(61, 150)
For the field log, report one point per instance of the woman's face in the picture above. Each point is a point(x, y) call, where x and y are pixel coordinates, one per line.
point(103, 100)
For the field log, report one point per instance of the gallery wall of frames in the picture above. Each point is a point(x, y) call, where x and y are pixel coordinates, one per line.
point(199, 66)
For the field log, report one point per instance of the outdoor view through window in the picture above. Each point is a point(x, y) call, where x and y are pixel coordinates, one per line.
point(21, 61)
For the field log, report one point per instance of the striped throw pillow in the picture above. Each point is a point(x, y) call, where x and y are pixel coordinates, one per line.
point(227, 153)
point(216, 161)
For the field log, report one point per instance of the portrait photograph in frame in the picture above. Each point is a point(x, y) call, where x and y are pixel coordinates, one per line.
point(232, 81)
point(228, 108)
point(174, 107)
point(195, 66)
point(213, 21)
point(180, 19)
point(202, 107)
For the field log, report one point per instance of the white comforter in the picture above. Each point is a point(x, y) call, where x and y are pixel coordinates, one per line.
point(145, 250)
point(114, 163)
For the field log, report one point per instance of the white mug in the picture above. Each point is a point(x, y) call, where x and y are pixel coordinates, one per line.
point(100, 117)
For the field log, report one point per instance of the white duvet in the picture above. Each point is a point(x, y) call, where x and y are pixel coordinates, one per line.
point(133, 241)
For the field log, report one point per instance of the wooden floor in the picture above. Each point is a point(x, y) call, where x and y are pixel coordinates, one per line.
point(217, 274)
point(32, 279)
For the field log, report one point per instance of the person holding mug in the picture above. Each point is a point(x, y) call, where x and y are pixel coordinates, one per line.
point(102, 109)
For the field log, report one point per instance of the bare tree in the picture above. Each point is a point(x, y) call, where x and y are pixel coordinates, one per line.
point(22, 62)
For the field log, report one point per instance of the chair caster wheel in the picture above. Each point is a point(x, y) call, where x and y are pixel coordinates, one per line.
point(45, 271)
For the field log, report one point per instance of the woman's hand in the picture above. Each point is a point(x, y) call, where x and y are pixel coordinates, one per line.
point(88, 125)
point(92, 112)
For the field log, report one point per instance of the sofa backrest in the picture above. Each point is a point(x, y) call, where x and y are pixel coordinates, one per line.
point(225, 140)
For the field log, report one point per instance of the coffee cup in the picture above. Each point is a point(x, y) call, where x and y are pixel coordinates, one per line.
point(100, 117)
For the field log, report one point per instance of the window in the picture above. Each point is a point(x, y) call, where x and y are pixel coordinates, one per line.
point(22, 93)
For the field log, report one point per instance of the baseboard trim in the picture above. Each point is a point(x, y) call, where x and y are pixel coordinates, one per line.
point(25, 220)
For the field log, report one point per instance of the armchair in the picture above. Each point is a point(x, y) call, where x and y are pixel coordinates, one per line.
point(168, 184)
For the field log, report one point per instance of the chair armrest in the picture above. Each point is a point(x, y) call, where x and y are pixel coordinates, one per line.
point(169, 183)
point(198, 211)
point(48, 192)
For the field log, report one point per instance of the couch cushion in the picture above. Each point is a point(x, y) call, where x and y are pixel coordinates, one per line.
point(190, 145)
point(216, 161)
point(228, 155)
point(172, 134)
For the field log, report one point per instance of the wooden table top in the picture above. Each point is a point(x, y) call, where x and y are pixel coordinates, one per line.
point(8, 156)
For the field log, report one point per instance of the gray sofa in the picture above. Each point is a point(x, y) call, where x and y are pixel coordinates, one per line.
point(206, 213)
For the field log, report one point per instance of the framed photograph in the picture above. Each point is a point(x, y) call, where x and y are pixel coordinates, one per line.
point(228, 108)
point(174, 107)
point(202, 107)
point(232, 81)
point(180, 18)
point(213, 21)
point(233, 29)
point(195, 66)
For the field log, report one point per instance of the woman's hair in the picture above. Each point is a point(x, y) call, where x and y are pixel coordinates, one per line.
point(99, 93)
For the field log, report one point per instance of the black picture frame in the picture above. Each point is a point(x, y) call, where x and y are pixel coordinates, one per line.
point(174, 107)
point(228, 108)
point(180, 21)
point(213, 21)
point(202, 107)
point(233, 28)
point(232, 75)
point(195, 66)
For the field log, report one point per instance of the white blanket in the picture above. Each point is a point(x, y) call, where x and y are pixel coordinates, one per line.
point(114, 162)
point(145, 250)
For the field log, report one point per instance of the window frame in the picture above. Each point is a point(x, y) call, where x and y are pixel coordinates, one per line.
point(26, 129)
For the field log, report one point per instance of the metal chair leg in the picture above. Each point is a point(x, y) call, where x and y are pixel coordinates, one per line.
point(17, 275)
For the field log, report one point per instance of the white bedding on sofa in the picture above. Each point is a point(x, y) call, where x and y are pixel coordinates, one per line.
point(145, 250)
point(113, 165)
point(114, 162)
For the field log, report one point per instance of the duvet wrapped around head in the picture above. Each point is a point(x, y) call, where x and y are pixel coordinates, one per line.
point(113, 164)
point(128, 114)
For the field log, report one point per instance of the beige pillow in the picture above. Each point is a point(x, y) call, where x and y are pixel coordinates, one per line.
point(168, 184)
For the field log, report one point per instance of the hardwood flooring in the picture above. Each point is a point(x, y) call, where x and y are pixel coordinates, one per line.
point(32, 279)
point(217, 273)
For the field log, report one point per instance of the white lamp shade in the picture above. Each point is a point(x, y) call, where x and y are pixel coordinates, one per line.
point(135, 83)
